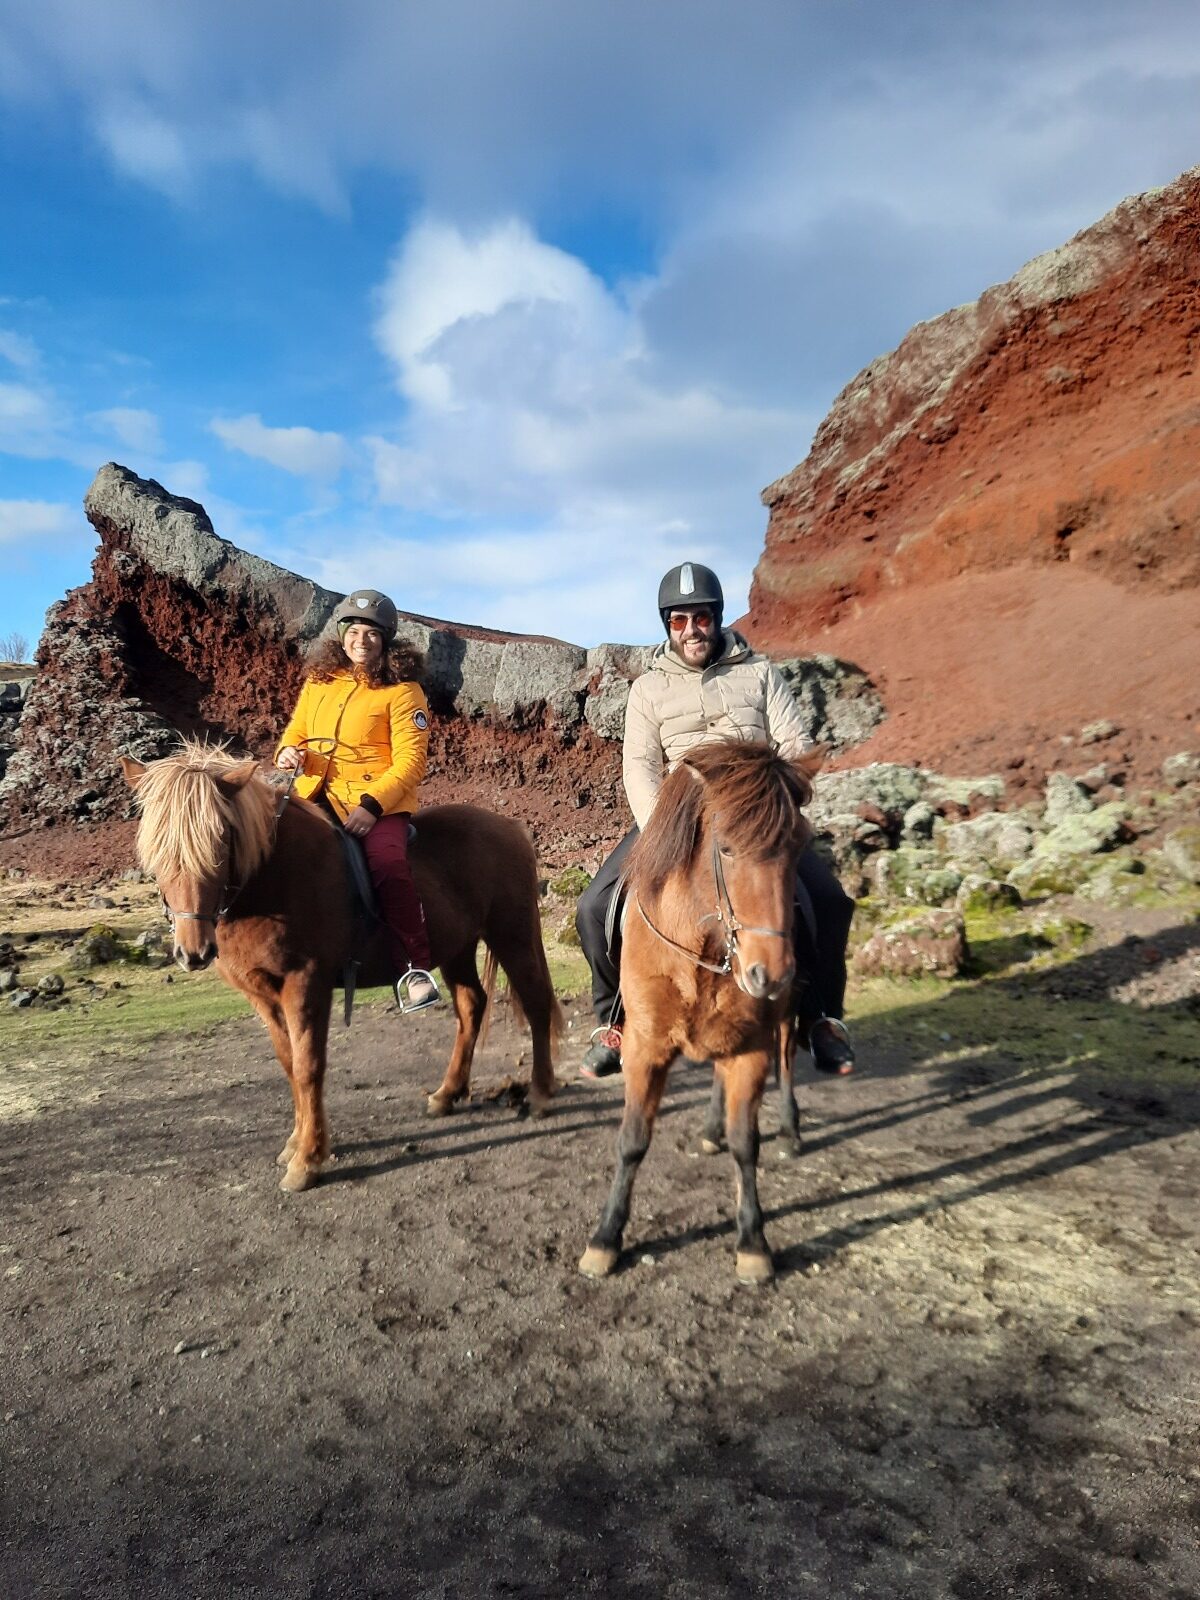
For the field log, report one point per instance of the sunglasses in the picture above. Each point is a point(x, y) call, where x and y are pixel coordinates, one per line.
point(678, 620)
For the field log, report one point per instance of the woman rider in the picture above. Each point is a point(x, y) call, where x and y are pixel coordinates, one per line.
point(363, 700)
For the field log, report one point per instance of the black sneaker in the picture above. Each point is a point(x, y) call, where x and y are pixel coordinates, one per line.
point(604, 1055)
point(832, 1052)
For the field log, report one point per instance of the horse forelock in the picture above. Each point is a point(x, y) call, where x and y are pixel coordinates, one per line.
point(187, 819)
point(748, 792)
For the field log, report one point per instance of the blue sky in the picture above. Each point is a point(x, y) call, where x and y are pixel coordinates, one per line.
point(506, 307)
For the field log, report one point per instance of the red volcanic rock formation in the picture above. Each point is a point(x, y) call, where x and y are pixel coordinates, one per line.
point(1001, 518)
point(181, 632)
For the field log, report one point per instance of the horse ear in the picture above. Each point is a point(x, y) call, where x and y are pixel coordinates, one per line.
point(235, 778)
point(132, 771)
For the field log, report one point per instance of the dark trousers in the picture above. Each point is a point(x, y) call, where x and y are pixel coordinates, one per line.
point(820, 950)
point(386, 849)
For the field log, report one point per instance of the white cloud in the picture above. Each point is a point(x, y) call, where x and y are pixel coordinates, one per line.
point(137, 429)
point(146, 144)
point(29, 421)
point(23, 521)
point(302, 451)
point(18, 350)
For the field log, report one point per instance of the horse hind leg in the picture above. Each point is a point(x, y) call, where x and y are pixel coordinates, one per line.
point(470, 1003)
point(788, 1143)
point(712, 1139)
point(524, 961)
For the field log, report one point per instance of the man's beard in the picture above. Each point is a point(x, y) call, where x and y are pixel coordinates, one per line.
point(713, 644)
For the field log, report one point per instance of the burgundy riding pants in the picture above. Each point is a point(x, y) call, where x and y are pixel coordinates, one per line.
point(387, 859)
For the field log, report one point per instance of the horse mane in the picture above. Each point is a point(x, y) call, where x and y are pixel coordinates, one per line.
point(186, 815)
point(754, 791)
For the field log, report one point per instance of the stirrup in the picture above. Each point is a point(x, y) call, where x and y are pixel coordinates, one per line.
point(838, 1059)
point(401, 991)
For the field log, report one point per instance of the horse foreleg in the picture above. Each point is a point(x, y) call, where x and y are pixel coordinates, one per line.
point(745, 1077)
point(713, 1136)
point(788, 1147)
point(306, 1004)
point(271, 1012)
point(644, 1085)
point(470, 1002)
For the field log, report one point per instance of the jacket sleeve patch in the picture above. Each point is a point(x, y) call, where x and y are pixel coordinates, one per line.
point(421, 720)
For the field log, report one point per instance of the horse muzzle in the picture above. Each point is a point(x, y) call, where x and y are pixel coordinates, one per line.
point(195, 960)
point(761, 984)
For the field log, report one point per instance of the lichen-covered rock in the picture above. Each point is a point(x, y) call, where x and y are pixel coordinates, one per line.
point(1044, 875)
point(996, 840)
point(1065, 797)
point(917, 823)
point(976, 894)
point(609, 672)
point(890, 787)
point(837, 701)
point(1181, 850)
point(1115, 879)
point(914, 874)
point(929, 943)
point(1057, 930)
point(1098, 732)
point(1086, 833)
point(1181, 768)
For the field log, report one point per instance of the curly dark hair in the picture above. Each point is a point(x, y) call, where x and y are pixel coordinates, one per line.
point(401, 663)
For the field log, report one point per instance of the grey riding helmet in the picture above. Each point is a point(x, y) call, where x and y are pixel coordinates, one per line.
point(690, 585)
point(367, 605)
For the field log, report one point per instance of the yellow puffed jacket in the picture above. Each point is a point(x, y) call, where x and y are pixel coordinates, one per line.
point(382, 743)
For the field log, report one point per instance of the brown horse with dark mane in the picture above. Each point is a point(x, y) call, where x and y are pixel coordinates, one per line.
point(707, 963)
point(259, 884)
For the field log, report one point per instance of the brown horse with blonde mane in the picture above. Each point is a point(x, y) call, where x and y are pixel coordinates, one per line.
point(258, 883)
point(707, 963)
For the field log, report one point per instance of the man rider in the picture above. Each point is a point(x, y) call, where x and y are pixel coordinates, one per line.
point(705, 683)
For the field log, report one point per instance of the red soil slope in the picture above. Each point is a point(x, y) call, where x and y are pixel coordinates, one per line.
point(1000, 520)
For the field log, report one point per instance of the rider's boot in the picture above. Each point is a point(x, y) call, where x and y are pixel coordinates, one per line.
point(829, 1043)
point(604, 1057)
point(416, 989)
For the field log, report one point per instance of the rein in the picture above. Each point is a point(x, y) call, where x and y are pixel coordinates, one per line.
point(727, 919)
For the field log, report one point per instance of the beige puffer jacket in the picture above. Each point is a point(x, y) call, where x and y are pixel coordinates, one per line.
point(673, 707)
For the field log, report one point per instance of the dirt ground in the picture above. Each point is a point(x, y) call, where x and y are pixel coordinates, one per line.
point(975, 1375)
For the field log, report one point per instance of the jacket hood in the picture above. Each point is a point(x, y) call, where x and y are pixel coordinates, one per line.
point(733, 648)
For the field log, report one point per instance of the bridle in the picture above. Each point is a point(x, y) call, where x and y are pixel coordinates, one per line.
point(727, 920)
point(225, 899)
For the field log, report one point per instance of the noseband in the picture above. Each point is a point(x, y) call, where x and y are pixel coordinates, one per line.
point(727, 920)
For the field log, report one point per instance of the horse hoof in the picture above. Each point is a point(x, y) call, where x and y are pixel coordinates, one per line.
point(597, 1261)
point(710, 1147)
point(439, 1105)
point(540, 1105)
point(284, 1158)
point(787, 1150)
point(298, 1177)
point(754, 1268)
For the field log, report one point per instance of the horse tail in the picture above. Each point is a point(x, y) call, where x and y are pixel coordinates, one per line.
point(490, 967)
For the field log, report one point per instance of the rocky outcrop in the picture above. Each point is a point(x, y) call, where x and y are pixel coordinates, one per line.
point(180, 632)
point(15, 682)
point(1053, 420)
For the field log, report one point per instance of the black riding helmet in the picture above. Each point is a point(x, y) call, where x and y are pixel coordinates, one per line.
point(690, 585)
point(367, 605)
